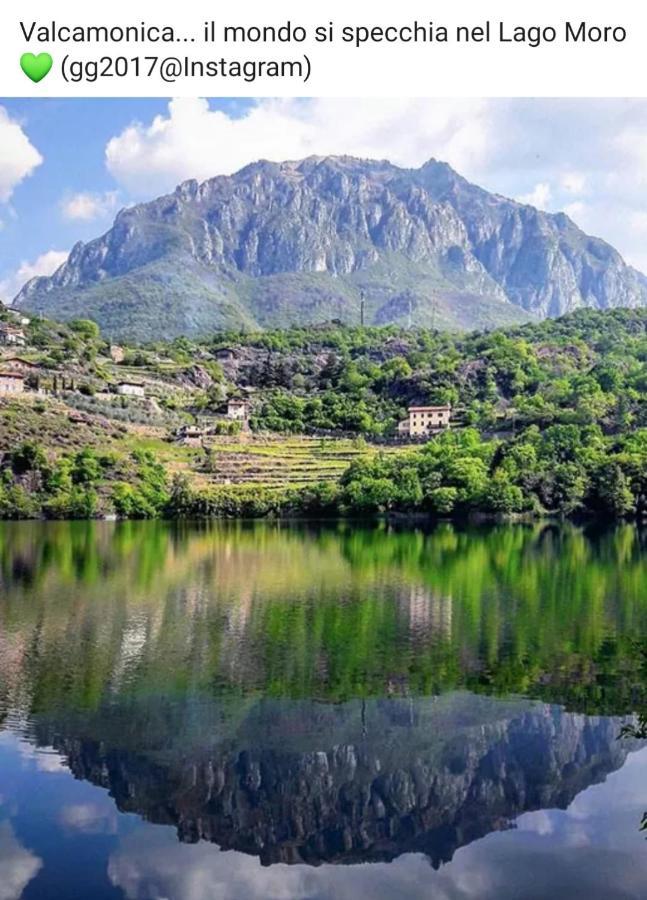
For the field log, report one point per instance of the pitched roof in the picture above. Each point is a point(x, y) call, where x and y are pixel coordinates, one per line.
point(445, 408)
point(17, 361)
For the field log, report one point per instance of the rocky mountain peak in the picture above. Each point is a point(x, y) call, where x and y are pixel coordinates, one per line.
point(298, 241)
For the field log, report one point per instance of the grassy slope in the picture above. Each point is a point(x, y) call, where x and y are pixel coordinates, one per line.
point(271, 461)
point(55, 425)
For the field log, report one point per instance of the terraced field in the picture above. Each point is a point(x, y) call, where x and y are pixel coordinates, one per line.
point(282, 461)
point(265, 460)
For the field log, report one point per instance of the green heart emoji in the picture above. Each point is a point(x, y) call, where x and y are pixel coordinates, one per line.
point(36, 67)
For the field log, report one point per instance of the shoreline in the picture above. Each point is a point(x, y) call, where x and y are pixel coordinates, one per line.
point(397, 518)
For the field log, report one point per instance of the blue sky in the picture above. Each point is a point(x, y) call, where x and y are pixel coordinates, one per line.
point(67, 166)
point(71, 137)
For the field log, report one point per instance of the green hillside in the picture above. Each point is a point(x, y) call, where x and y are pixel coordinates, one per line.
point(547, 418)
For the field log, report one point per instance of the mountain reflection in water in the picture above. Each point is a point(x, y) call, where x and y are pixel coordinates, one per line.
point(321, 694)
point(294, 782)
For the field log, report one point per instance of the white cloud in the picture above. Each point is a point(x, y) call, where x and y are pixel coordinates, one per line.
point(90, 818)
point(577, 211)
point(194, 141)
point(555, 153)
point(86, 206)
point(17, 864)
point(573, 182)
point(18, 156)
point(46, 264)
point(540, 196)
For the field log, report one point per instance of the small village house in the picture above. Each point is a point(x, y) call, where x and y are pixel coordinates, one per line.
point(131, 389)
point(424, 420)
point(117, 353)
point(28, 371)
point(238, 410)
point(11, 382)
point(18, 364)
point(191, 435)
point(11, 335)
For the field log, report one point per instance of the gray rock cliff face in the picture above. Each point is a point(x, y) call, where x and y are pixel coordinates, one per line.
point(299, 242)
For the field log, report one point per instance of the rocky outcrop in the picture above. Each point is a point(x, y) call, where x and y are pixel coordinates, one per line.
point(299, 242)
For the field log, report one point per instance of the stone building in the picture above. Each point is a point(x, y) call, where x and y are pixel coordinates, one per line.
point(238, 410)
point(131, 389)
point(424, 420)
point(190, 435)
point(117, 353)
point(11, 335)
point(18, 364)
point(11, 382)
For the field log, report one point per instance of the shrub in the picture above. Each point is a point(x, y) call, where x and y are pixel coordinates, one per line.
point(130, 503)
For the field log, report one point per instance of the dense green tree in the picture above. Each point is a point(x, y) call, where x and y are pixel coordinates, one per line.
point(613, 489)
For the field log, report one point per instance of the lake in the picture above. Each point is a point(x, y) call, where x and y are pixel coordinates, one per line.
point(253, 710)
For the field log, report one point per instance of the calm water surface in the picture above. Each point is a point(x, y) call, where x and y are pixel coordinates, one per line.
point(272, 711)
